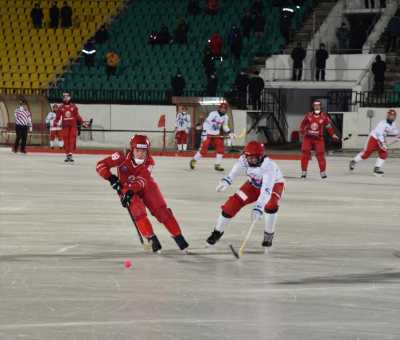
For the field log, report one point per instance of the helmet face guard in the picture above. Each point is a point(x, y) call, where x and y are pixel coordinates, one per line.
point(66, 97)
point(223, 108)
point(142, 143)
point(391, 116)
point(316, 106)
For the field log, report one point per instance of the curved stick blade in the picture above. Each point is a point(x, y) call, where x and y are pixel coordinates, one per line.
point(234, 252)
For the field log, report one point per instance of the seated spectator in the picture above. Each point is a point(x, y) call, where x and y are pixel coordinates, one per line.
point(343, 36)
point(208, 62)
point(178, 84)
point(379, 69)
point(54, 14)
point(66, 15)
point(181, 32)
point(101, 35)
point(89, 52)
point(37, 16)
point(212, 85)
point(259, 25)
point(215, 44)
point(193, 7)
point(256, 7)
point(112, 61)
point(235, 41)
point(164, 37)
point(212, 7)
point(247, 24)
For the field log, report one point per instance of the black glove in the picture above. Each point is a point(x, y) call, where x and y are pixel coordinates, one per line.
point(115, 183)
point(126, 199)
point(48, 126)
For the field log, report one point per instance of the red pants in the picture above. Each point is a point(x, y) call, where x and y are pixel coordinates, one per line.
point(56, 134)
point(69, 135)
point(372, 146)
point(152, 198)
point(318, 145)
point(181, 137)
point(247, 194)
point(217, 141)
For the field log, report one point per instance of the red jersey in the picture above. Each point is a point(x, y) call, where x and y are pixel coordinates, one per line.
point(129, 173)
point(313, 125)
point(69, 114)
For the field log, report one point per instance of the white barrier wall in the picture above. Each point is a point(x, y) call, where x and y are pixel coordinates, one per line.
point(357, 123)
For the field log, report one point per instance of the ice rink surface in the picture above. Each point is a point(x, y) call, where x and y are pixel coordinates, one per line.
point(334, 272)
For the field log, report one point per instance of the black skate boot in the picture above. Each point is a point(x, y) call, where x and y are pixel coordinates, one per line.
point(182, 244)
point(192, 164)
point(268, 239)
point(218, 167)
point(214, 237)
point(303, 174)
point(323, 175)
point(352, 165)
point(155, 244)
point(378, 171)
point(70, 158)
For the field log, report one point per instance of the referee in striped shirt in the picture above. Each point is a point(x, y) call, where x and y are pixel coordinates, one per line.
point(23, 123)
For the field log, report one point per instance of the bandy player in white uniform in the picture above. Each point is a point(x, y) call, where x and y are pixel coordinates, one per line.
point(56, 137)
point(265, 186)
point(377, 142)
point(182, 125)
point(212, 126)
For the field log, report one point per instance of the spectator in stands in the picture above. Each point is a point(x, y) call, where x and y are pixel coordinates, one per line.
point(89, 52)
point(208, 62)
point(181, 32)
point(101, 35)
point(216, 43)
point(393, 32)
point(193, 7)
point(241, 84)
point(298, 55)
point(153, 38)
point(112, 61)
point(54, 14)
point(247, 24)
point(212, 7)
point(343, 36)
point(235, 41)
point(66, 15)
point(178, 84)
point(212, 85)
point(368, 2)
point(37, 16)
point(259, 25)
point(320, 58)
point(23, 123)
point(164, 37)
point(378, 69)
point(256, 85)
point(256, 7)
point(287, 14)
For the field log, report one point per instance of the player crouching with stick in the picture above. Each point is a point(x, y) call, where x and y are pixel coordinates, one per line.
point(139, 190)
point(265, 186)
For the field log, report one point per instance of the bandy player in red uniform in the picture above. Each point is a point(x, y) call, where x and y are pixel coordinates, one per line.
point(377, 143)
point(69, 114)
point(312, 130)
point(265, 187)
point(139, 190)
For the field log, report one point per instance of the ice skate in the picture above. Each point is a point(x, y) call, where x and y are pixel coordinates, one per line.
point(352, 165)
point(218, 167)
point(192, 164)
point(155, 244)
point(378, 171)
point(182, 244)
point(214, 237)
point(304, 174)
point(267, 242)
point(323, 175)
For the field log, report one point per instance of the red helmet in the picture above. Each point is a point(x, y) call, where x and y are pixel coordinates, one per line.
point(223, 105)
point(391, 115)
point(66, 97)
point(254, 148)
point(392, 112)
point(140, 142)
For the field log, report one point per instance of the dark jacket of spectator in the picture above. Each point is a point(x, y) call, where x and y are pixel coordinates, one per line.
point(216, 43)
point(394, 25)
point(164, 37)
point(101, 35)
point(247, 24)
point(343, 36)
point(212, 6)
point(212, 85)
point(298, 55)
point(379, 68)
point(321, 56)
point(181, 32)
point(193, 7)
point(66, 15)
point(37, 16)
point(242, 82)
point(235, 41)
point(54, 14)
point(178, 84)
point(256, 85)
point(256, 7)
point(208, 62)
point(259, 23)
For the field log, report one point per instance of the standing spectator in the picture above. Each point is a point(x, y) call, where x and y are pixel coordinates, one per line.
point(368, 2)
point(256, 85)
point(378, 69)
point(89, 52)
point(393, 31)
point(343, 36)
point(212, 85)
point(320, 57)
point(37, 16)
point(23, 122)
point(212, 7)
point(181, 32)
point(382, 3)
point(54, 14)
point(241, 84)
point(298, 55)
point(259, 25)
point(208, 62)
point(178, 84)
point(112, 60)
point(193, 7)
point(235, 41)
point(256, 7)
point(247, 24)
point(164, 37)
point(101, 35)
point(215, 44)
point(66, 15)
point(55, 137)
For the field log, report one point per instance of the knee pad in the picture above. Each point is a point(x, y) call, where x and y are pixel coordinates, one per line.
point(232, 206)
point(163, 214)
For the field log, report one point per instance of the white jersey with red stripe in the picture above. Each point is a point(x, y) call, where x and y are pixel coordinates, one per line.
point(214, 122)
point(263, 177)
point(183, 122)
point(383, 129)
point(23, 117)
point(50, 120)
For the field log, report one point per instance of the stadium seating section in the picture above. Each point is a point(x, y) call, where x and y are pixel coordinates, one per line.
point(31, 58)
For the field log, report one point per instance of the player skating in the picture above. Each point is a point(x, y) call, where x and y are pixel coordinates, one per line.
point(264, 186)
point(138, 190)
point(182, 126)
point(55, 137)
point(377, 142)
point(312, 130)
point(212, 126)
